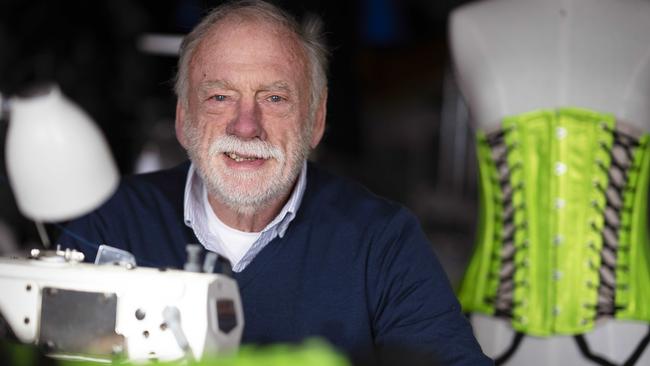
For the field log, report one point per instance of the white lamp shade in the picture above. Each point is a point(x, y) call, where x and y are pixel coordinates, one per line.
point(58, 162)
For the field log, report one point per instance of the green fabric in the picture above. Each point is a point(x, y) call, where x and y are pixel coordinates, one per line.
point(477, 283)
point(312, 352)
point(15, 354)
point(634, 284)
point(557, 160)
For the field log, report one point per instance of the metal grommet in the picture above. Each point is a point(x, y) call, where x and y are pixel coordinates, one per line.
point(140, 314)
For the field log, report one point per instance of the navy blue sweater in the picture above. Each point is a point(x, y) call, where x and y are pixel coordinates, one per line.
point(352, 267)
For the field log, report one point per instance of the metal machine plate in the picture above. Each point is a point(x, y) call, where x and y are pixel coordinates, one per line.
point(79, 322)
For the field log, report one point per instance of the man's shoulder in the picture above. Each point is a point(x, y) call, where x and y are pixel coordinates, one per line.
point(346, 197)
point(173, 178)
point(146, 211)
point(150, 189)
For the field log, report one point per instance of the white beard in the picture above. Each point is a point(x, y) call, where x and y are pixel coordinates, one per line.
point(248, 191)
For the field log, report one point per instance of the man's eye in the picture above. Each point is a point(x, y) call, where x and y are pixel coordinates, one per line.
point(219, 98)
point(275, 98)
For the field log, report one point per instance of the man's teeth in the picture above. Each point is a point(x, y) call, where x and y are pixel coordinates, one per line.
point(238, 158)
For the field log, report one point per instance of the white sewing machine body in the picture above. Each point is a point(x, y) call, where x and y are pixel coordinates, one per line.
point(79, 310)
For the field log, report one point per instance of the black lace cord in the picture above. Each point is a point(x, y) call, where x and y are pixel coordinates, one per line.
point(606, 304)
point(643, 344)
point(514, 345)
point(503, 303)
point(584, 349)
point(586, 352)
point(621, 136)
point(512, 348)
point(631, 360)
point(497, 137)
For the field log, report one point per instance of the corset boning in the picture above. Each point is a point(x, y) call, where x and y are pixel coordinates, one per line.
point(562, 238)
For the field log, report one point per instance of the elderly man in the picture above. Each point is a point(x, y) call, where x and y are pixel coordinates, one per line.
point(313, 254)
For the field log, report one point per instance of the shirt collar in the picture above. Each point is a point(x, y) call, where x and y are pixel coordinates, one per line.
point(193, 202)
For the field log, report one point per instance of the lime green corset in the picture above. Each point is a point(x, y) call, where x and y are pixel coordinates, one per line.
point(562, 237)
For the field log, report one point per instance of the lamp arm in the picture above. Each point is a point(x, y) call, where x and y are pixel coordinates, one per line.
point(42, 233)
point(4, 107)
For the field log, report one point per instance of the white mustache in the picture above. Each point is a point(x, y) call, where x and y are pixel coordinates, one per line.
point(251, 148)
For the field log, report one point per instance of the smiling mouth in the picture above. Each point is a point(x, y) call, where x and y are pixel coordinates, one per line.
point(242, 158)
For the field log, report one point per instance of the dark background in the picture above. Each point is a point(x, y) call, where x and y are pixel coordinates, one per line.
point(396, 121)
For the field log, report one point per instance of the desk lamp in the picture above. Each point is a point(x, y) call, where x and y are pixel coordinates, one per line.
point(58, 162)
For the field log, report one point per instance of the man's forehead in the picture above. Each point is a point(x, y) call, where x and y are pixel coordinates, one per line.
point(234, 51)
point(255, 36)
point(280, 85)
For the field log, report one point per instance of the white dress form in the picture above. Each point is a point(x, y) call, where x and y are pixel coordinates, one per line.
point(516, 56)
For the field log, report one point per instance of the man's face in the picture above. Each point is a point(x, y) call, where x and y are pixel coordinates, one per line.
point(245, 124)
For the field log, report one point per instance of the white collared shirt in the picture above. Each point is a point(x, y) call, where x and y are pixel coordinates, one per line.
point(197, 216)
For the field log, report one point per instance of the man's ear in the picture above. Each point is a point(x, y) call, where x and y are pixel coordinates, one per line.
point(180, 121)
point(319, 121)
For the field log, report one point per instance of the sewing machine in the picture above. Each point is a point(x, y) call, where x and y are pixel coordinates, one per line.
point(75, 310)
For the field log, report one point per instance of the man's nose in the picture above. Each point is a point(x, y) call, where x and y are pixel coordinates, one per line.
point(247, 123)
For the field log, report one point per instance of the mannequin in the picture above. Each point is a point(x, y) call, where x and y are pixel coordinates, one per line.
point(517, 56)
point(514, 56)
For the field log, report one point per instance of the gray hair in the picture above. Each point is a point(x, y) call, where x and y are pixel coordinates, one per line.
point(309, 34)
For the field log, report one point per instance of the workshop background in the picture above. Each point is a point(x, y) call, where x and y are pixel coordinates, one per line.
point(396, 121)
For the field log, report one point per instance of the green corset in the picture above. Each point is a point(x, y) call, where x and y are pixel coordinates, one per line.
point(562, 237)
